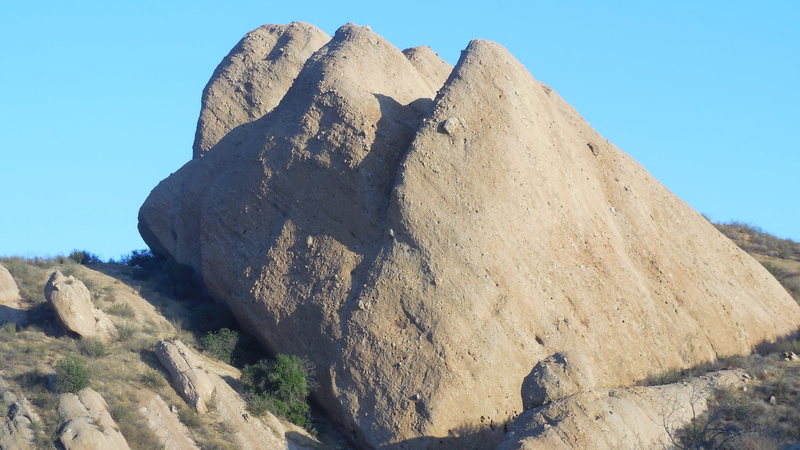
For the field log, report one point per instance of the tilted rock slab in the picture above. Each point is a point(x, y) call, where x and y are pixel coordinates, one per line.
point(165, 424)
point(427, 249)
point(16, 420)
point(625, 418)
point(73, 305)
point(200, 385)
point(9, 292)
point(87, 423)
point(191, 382)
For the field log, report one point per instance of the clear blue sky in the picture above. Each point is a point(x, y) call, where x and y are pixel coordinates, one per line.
point(100, 99)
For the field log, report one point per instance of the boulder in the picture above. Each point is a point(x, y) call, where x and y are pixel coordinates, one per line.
point(253, 78)
point(557, 376)
point(17, 420)
point(624, 418)
point(442, 250)
point(87, 424)
point(9, 292)
point(73, 305)
point(190, 380)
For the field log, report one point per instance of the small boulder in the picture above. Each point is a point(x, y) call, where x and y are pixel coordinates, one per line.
point(87, 423)
point(8, 287)
point(790, 356)
point(72, 303)
point(557, 376)
point(191, 382)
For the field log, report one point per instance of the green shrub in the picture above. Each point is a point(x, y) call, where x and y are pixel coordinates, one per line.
point(221, 344)
point(72, 375)
point(84, 257)
point(280, 386)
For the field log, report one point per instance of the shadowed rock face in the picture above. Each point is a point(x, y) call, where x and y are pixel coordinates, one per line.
point(427, 249)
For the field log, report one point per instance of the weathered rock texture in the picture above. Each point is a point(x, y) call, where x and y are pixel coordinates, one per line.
point(12, 307)
point(164, 423)
point(17, 419)
point(73, 305)
point(8, 287)
point(191, 382)
point(253, 78)
point(200, 384)
point(625, 418)
point(87, 423)
point(426, 250)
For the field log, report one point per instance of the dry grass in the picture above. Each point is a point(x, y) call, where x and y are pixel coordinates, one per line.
point(118, 369)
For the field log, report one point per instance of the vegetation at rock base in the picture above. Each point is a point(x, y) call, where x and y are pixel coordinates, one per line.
point(221, 344)
point(72, 375)
point(766, 413)
point(280, 386)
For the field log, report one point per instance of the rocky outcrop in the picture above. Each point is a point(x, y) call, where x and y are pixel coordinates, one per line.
point(73, 305)
point(200, 385)
point(87, 424)
point(253, 78)
point(9, 292)
point(411, 238)
point(17, 420)
point(625, 418)
point(557, 376)
point(189, 379)
point(164, 423)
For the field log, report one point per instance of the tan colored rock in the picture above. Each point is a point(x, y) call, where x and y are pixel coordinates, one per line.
point(199, 383)
point(191, 382)
point(625, 418)
point(253, 78)
point(557, 376)
point(73, 305)
point(164, 423)
point(431, 65)
point(17, 420)
point(9, 292)
point(440, 254)
point(87, 424)
point(13, 308)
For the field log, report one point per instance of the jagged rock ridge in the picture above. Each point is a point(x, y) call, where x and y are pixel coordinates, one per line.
point(427, 244)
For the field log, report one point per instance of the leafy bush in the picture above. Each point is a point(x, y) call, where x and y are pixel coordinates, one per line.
point(72, 375)
point(84, 257)
point(280, 386)
point(221, 344)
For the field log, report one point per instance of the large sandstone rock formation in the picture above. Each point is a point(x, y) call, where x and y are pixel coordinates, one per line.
point(624, 418)
point(427, 244)
point(253, 78)
point(73, 305)
point(87, 424)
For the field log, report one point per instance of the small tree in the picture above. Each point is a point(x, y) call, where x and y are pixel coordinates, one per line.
point(72, 375)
